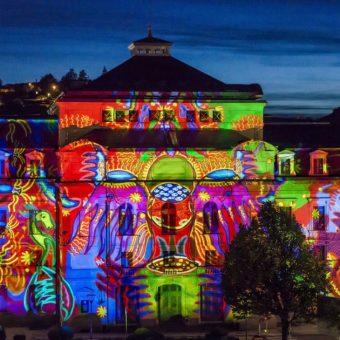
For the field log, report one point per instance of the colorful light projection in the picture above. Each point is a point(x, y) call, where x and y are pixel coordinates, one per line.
point(142, 233)
point(156, 113)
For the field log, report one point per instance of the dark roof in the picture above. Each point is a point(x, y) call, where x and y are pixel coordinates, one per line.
point(162, 73)
point(157, 138)
point(152, 40)
point(302, 132)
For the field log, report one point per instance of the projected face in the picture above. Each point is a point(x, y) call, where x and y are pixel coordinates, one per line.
point(170, 214)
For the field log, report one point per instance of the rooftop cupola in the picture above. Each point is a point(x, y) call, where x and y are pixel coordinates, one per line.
point(150, 46)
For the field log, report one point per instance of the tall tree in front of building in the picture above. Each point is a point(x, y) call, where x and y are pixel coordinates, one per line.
point(271, 269)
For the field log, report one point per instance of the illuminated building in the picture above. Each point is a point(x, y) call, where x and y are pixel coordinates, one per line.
point(158, 165)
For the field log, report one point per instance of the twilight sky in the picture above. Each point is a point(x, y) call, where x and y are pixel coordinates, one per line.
point(291, 48)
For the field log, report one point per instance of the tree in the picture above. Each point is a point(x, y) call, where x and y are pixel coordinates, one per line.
point(83, 75)
point(104, 70)
point(270, 269)
point(47, 81)
point(69, 76)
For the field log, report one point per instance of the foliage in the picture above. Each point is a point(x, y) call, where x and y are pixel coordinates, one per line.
point(83, 75)
point(270, 269)
point(104, 70)
point(47, 80)
point(70, 75)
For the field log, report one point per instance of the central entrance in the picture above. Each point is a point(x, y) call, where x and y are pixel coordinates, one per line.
point(170, 301)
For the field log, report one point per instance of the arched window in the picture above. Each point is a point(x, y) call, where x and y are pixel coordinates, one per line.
point(168, 215)
point(125, 219)
point(210, 218)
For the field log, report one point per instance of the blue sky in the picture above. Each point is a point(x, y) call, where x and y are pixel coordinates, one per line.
point(291, 48)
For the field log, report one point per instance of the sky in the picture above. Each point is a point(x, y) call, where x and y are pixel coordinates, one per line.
point(291, 47)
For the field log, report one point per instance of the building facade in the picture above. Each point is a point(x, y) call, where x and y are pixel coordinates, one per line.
point(125, 205)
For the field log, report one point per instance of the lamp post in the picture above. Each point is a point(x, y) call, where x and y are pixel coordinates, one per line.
point(91, 297)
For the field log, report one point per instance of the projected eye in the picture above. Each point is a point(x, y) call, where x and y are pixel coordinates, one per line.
point(170, 192)
point(223, 174)
point(120, 176)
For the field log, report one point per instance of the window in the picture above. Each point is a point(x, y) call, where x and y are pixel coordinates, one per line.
point(210, 258)
point(318, 215)
point(204, 116)
point(133, 116)
point(190, 116)
point(4, 171)
point(320, 251)
point(34, 164)
point(318, 163)
point(211, 303)
point(155, 115)
point(286, 163)
point(217, 116)
point(127, 304)
point(168, 218)
point(169, 115)
point(210, 218)
point(84, 306)
point(107, 115)
point(126, 259)
point(125, 219)
point(3, 220)
point(120, 116)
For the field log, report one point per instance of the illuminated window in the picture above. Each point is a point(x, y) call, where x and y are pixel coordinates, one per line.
point(318, 215)
point(125, 219)
point(318, 163)
point(107, 115)
point(126, 259)
point(34, 164)
point(204, 116)
point(168, 218)
point(133, 116)
point(286, 163)
point(120, 116)
point(210, 218)
point(169, 115)
point(190, 116)
point(4, 170)
point(210, 258)
point(154, 115)
point(320, 251)
point(211, 303)
point(217, 116)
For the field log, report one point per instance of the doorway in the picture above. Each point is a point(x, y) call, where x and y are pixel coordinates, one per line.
point(170, 301)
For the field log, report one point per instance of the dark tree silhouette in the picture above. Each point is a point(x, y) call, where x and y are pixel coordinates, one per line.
point(83, 75)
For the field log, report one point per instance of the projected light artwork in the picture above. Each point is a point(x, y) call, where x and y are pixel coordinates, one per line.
point(136, 234)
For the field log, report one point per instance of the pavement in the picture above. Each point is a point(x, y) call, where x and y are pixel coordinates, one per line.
point(301, 332)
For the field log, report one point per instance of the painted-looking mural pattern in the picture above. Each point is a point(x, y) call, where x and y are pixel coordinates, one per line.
point(134, 234)
point(141, 234)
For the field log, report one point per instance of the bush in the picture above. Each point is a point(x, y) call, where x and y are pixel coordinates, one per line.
point(143, 333)
point(61, 333)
